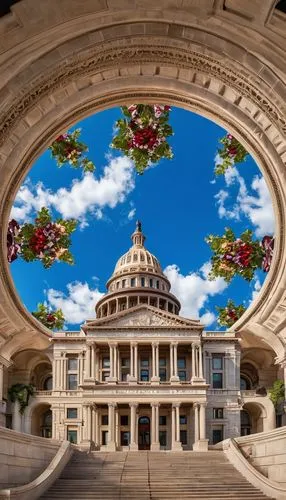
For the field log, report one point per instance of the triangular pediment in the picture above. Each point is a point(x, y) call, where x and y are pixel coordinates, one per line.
point(143, 316)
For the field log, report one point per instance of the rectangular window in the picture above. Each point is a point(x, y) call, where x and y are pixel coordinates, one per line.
point(72, 382)
point(144, 375)
point(217, 412)
point(124, 420)
point(217, 362)
point(106, 363)
point(124, 377)
point(71, 412)
point(72, 435)
point(217, 380)
point(217, 435)
point(125, 362)
point(183, 419)
point(123, 283)
point(181, 363)
point(142, 281)
point(162, 420)
point(72, 364)
point(104, 419)
point(104, 435)
point(163, 438)
point(182, 375)
point(158, 284)
point(151, 283)
point(132, 282)
point(124, 438)
point(183, 437)
point(163, 374)
point(144, 362)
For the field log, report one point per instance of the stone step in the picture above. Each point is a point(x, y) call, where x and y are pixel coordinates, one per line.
point(151, 476)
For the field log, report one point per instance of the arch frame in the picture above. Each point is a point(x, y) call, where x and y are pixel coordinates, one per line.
point(181, 63)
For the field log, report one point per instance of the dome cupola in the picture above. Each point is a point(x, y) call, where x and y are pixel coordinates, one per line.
point(137, 279)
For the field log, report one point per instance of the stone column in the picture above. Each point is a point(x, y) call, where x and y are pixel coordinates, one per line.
point(200, 362)
point(136, 361)
point(92, 371)
point(155, 362)
point(203, 421)
point(176, 443)
point(2, 403)
point(197, 429)
point(113, 362)
point(63, 371)
point(111, 373)
point(97, 364)
point(131, 360)
point(95, 427)
point(87, 361)
point(85, 434)
point(155, 445)
point(171, 362)
point(117, 427)
point(111, 446)
point(174, 377)
point(193, 362)
point(89, 422)
point(133, 437)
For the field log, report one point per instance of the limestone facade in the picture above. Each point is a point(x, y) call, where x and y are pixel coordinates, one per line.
point(140, 376)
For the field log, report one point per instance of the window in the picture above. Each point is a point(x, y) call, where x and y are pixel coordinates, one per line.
point(105, 363)
point(123, 283)
point(104, 435)
point(72, 435)
point(132, 282)
point(163, 369)
point(117, 284)
point(142, 281)
point(217, 435)
point(183, 437)
point(163, 438)
point(157, 284)
point(162, 420)
point(104, 419)
point(217, 380)
point(72, 382)
point(217, 362)
point(71, 412)
point(217, 412)
point(48, 384)
point(72, 364)
point(144, 375)
point(124, 420)
point(151, 283)
point(182, 373)
point(124, 438)
point(183, 419)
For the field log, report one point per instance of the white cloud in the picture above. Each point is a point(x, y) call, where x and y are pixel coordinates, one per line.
point(87, 195)
point(257, 208)
point(78, 305)
point(256, 289)
point(194, 290)
point(131, 214)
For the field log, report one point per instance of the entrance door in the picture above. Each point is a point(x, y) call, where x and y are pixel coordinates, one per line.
point(144, 433)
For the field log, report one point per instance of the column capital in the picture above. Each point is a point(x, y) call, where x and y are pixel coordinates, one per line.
point(174, 342)
point(196, 405)
point(133, 405)
point(114, 405)
point(155, 343)
point(133, 343)
point(154, 405)
point(176, 405)
point(89, 342)
point(113, 344)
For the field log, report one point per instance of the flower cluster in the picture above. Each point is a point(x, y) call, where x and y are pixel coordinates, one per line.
point(239, 256)
point(229, 314)
point(45, 240)
point(51, 319)
point(231, 153)
point(68, 149)
point(142, 134)
point(13, 247)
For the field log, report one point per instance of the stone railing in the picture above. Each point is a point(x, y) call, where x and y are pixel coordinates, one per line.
point(270, 487)
point(23, 457)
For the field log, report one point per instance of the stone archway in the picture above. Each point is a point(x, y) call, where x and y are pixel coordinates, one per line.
point(194, 55)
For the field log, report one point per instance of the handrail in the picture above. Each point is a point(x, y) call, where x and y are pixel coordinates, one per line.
point(267, 486)
point(44, 481)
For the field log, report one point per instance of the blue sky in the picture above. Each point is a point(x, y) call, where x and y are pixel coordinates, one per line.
point(179, 202)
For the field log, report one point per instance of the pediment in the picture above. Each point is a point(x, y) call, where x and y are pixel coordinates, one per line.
point(143, 316)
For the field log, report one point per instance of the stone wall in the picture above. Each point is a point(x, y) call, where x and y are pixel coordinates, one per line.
point(23, 457)
point(266, 451)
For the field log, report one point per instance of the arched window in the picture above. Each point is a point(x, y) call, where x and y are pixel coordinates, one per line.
point(48, 383)
point(245, 384)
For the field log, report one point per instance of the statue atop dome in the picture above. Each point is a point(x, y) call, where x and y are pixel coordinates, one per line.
point(139, 226)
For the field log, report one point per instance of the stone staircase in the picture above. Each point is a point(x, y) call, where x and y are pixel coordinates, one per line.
point(150, 475)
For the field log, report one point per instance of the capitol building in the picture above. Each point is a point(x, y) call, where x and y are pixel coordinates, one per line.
point(140, 376)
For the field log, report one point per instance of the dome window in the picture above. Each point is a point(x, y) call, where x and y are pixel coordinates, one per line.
point(142, 281)
point(132, 282)
point(151, 283)
point(135, 257)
